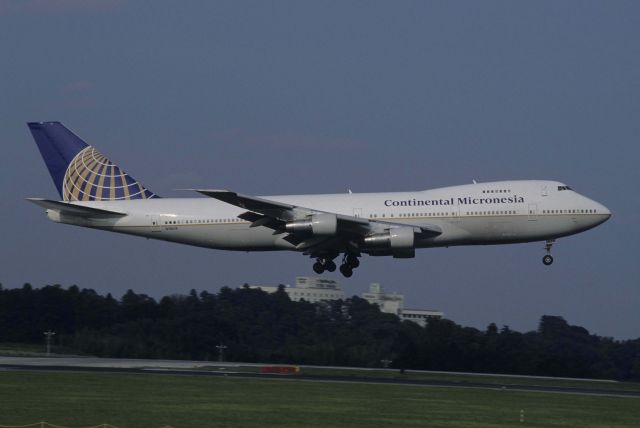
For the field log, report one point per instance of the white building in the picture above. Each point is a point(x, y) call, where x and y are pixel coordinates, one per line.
point(310, 289)
point(314, 289)
point(420, 316)
point(388, 303)
point(394, 304)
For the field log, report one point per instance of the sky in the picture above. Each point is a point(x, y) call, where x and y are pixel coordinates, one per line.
point(290, 97)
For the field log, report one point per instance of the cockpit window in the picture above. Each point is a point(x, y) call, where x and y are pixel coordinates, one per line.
point(560, 188)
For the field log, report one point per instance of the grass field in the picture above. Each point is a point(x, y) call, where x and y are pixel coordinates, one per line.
point(146, 400)
point(461, 378)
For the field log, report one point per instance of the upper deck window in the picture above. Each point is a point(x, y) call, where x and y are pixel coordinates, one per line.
point(560, 188)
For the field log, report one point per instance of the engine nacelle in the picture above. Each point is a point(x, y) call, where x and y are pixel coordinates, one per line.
point(317, 224)
point(396, 238)
point(400, 242)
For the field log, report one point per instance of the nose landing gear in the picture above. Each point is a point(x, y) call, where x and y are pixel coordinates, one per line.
point(548, 259)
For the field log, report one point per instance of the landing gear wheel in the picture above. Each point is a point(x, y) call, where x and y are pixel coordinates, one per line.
point(330, 266)
point(353, 261)
point(318, 267)
point(547, 260)
point(346, 270)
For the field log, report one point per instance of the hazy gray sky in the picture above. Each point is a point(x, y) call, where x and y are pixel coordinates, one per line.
point(318, 97)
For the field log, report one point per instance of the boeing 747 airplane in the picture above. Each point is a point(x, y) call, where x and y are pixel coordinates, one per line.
point(98, 194)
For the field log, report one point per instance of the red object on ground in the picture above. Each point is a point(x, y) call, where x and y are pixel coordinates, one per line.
point(280, 369)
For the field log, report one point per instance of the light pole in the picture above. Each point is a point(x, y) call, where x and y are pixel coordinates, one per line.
point(49, 333)
point(221, 349)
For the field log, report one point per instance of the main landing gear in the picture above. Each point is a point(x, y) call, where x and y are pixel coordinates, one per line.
point(349, 263)
point(548, 259)
point(323, 264)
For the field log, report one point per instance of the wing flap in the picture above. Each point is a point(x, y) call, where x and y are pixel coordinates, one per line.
point(262, 220)
point(76, 210)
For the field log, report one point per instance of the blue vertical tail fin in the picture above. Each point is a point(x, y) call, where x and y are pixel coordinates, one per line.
point(79, 171)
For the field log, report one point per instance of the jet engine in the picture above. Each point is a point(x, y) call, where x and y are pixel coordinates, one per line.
point(398, 242)
point(324, 224)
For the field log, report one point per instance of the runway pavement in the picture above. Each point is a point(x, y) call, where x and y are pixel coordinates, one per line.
point(237, 370)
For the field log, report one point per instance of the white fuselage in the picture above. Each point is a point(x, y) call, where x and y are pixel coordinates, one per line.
point(472, 214)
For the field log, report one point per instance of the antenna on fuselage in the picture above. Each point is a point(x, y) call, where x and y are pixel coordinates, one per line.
point(474, 182)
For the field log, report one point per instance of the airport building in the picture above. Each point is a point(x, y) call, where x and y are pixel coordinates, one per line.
point(310, 289)
point(393, 303)
point(318, 289)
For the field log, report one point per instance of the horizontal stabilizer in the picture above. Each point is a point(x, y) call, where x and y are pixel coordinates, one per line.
point(76, 210)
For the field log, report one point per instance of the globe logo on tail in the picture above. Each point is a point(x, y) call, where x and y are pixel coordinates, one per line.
point(92, 177)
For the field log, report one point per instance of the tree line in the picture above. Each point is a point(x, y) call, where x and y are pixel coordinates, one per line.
point(259, 327)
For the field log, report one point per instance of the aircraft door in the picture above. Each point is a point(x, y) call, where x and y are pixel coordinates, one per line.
point(533, 212)
point(155, 223)
point(457, 218)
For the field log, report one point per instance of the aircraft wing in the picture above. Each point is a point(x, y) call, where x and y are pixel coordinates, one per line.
point(76, 210)
point(275, 215)
point(277, 210)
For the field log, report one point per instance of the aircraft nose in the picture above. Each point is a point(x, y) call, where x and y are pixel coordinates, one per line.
point(602, 210)
point(602, 213)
